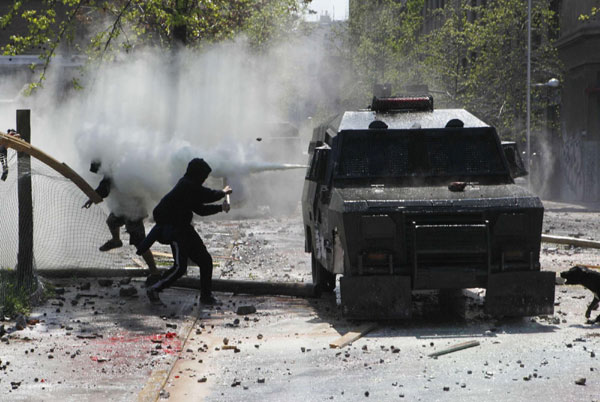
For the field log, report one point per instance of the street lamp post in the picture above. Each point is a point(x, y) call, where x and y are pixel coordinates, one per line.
point(528, 139)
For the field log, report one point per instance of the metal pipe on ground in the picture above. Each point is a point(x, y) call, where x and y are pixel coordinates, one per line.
point(572, 241)
point(254, 287)
point(218, 285)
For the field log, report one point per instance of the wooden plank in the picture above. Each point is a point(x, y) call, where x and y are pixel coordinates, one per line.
point(169, 255)
point(20, 145)
point(351, 336)
point(161, 254)
point(570, 241)
point(455, 348)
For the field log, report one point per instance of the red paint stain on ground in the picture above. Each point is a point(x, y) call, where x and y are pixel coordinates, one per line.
point(131, 345)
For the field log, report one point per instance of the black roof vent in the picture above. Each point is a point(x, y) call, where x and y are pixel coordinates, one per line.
point(378, 124)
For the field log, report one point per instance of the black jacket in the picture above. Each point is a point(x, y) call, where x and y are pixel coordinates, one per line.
point(104, 187)
point(188, 196)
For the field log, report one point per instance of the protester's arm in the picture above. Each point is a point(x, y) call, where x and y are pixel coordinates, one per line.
point(103, 191)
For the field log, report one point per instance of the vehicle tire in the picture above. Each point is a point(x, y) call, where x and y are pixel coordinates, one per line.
point(322, 278)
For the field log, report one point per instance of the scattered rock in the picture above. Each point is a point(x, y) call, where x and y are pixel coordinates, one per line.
point(260, 381)
point(580, 381)
point(244, 310)
point(127, 291)
point(125, 281)
point(164, 394)
point(20, 322)
point(203, 379)
point(85, 286)
point(105, 282)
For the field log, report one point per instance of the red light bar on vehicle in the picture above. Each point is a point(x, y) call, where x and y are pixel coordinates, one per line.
point(413, 103)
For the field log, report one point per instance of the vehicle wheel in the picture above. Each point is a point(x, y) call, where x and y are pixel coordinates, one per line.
point(322, 278)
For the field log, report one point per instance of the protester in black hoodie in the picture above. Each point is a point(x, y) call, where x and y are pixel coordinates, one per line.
point(173, 216)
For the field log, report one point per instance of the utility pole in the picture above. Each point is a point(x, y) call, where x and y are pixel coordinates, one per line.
point(528, 156)
point(24, 195)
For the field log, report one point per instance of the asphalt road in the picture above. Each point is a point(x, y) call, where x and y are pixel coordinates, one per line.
point(108, 347)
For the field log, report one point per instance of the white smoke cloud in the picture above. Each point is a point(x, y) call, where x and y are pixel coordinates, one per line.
point(148, 114)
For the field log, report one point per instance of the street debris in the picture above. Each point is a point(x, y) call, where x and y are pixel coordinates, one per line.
point(571, 241)
point(245, 310)
point(351, 336)
point(128, 291)
point(455, 348)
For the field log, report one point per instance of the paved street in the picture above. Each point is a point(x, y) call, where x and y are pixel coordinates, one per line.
point(96, 345)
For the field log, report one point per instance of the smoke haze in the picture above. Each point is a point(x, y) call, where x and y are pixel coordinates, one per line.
point(145, 116)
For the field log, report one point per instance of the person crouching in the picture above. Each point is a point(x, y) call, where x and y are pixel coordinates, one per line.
point(173, 216)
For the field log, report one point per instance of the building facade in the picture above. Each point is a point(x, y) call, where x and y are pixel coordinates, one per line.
point(579, 51)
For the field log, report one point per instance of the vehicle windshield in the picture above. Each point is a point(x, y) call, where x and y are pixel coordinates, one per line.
point(464, 153)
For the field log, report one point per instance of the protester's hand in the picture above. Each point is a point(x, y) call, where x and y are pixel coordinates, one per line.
point(87, 204)
point(226, 206)
point(227, 190)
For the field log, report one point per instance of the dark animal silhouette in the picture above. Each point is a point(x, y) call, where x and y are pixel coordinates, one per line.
point(589, 279)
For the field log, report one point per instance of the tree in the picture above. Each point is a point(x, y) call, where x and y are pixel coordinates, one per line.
point(102, 28)
point(382, 40)
point(474, 54)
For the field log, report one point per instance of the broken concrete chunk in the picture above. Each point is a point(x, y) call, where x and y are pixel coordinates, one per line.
point(20, 322)
point(244, 310)
point(127, 291)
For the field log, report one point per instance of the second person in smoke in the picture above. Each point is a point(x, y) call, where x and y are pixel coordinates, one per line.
point(173, 216)
point(121, 215)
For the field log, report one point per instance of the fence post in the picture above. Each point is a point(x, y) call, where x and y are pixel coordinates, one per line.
point(25, 250)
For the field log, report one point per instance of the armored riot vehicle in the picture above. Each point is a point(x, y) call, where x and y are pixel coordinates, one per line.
point(401, 197)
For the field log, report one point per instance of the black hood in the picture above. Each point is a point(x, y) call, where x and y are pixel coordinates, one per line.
point(197, 170)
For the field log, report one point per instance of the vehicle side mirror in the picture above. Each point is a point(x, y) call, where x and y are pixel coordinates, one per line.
point(318, 166)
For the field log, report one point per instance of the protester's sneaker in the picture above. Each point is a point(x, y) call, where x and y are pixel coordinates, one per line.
point(109, 245)
point(209, 301)
point(153, 296)
point(152, 279)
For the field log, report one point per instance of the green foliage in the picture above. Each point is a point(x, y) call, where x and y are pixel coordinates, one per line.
point(475, 55)
point(13, 299)
point(382, 43)
point(102, 29)
point(593, 12)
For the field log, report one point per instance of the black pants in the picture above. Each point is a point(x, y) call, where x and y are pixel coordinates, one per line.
point(187, 244)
